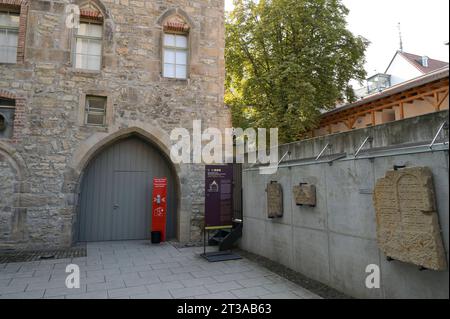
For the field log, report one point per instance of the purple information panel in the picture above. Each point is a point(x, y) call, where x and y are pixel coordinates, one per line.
point(218, 195)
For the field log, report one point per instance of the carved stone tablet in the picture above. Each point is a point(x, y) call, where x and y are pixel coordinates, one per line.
point(305, 194)
point(407, 221)
point(274, 200)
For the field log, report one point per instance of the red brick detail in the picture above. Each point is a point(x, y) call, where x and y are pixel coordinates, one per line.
point(19, 114)
point(19, 120)
point(91, 15)
point(15, 3)
point(7, 95)
point(171, 26)
point(22, 6)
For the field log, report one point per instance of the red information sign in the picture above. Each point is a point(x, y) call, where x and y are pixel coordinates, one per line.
point(159, 206)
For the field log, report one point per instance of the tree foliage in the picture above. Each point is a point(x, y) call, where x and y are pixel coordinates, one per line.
point(287, 60)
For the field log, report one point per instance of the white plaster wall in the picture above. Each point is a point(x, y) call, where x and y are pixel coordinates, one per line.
point(402, 70)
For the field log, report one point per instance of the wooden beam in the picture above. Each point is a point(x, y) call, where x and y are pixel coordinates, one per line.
point(412, 95)
point(430, 100)
point(348, 123)
point(402, 111)
point(337, 118)
point(439, 104)
point(352, 122)
point(436, 101)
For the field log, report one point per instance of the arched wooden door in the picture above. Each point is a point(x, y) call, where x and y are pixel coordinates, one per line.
point(116, 193)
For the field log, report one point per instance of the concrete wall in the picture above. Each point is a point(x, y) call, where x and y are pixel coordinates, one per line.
point(335, 241)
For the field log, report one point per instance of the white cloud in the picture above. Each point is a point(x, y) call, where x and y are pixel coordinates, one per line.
point(228, 5)
point(424, 26)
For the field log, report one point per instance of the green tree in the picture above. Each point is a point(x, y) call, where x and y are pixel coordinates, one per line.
point(287, 60)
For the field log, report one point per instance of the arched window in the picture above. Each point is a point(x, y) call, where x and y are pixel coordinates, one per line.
point(175, 48)
point(88, 42)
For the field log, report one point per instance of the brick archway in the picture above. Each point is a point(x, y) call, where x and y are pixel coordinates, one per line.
point(176, 12)
point(97, 3)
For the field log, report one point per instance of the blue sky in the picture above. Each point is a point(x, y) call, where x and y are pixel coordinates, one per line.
point(424, 24)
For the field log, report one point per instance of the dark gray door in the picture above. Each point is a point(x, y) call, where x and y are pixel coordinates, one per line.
point(116, 193)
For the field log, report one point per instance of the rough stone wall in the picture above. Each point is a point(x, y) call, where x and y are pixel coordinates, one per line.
point(7, 180)
point(52, 134)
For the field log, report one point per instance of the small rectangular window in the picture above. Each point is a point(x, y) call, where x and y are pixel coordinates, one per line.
point(88, 46)
point(7, 111)
point(95, 112)
point(175, 56)
point(9, 35)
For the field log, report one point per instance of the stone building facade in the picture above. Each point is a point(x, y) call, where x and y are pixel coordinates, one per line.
point(50, 145)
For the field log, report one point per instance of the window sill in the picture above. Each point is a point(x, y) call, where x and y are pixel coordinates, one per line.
point(174, 80)
point(9, 63)
point(85, 72)
point(95, 127)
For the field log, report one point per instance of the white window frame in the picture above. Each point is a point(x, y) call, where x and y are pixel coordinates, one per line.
point(10, 28)
point(89, 38)
point(176, 49)
point(94, 111)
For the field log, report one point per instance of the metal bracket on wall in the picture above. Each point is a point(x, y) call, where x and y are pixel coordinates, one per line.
point(442, 127)
point(368, 139)
point(323, 151)
point(338, 157)
point(282, 158)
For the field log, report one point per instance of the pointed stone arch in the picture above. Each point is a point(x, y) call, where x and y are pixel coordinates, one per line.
point(13, 186)
point(93, 5)
point(150, 133)
point(175, 12)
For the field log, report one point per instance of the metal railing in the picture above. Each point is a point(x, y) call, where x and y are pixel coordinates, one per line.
point(444, 125)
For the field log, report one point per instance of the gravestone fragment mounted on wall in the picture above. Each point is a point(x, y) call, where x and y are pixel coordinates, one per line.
point(274, 200)
point(407, 219)
point(305, 195)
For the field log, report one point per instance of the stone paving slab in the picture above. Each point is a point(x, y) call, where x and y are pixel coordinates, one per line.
point(139, 270)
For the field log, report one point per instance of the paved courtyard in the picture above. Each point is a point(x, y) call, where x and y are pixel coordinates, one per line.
point(137, 269)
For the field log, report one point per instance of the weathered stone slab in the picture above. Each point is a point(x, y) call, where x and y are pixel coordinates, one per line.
point(305, 195)
point(407, 221)
point(274, 200)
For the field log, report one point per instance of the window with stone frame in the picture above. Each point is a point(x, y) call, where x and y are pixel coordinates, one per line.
point(9, 35)
point(175, 53)
point(7, 112)
point(95, 110)
point(88, 46)
point(88, 42)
